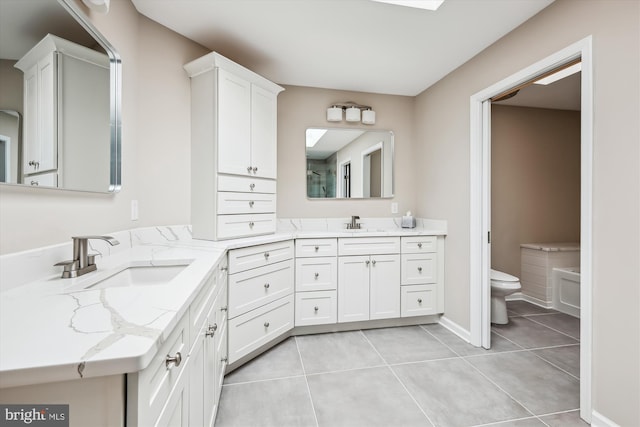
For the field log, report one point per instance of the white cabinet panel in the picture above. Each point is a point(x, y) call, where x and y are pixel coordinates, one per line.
point(234, 124)
point(49, 179)
point(368, 245)
point(260, 255)
point(236, 226)
point(316, 274)
point(264, 120)
point(419, 268)
point(257, 327)
point(384, 287)
point(245, 184)
point(245, 203)
point(353, 288)
point(316, 308)
point(419, 244)
point(316, 248)
point(419, 300)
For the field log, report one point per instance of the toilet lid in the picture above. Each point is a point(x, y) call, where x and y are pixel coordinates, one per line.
point(503, 277)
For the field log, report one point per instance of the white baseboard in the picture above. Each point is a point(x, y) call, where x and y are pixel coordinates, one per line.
point(599, 420)
point(519, 296)
point(455, 328)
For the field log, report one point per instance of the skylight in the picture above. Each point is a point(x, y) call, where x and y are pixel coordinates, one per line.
point(565, 72)
point(419, 4)
point(314, 135)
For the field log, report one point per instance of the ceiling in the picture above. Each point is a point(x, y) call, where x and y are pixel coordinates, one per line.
point(563, 94)
point(356, 45)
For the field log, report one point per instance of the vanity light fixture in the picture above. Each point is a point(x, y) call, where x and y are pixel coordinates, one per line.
point(351, 112)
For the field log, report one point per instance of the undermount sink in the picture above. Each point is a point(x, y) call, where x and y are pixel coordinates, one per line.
point(140, 275)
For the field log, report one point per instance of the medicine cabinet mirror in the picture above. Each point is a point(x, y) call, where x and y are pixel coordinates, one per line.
point(349, 163)
point(75, 143)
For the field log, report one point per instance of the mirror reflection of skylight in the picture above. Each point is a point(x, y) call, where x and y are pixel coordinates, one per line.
point(314, 135)
point(566, 72)
point(419, 4)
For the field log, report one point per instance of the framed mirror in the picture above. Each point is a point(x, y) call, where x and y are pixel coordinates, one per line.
point(59, 99)
point(349, 163)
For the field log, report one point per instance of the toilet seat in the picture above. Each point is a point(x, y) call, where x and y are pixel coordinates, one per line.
point(504, 281)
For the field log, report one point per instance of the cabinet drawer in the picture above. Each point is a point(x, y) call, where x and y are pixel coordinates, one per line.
point(257, 327)
point(419, 244)
point(316, 308)
point(316, 247)
point(235, 226)
point(418, 300)
point(155, 383)
point(419, 269)
point(316, 274)
point(246, 184)
point(201, 305)
point(258, 256)
point(252, 288)
point(42, 180)
point(245, 203)
point(368, 245)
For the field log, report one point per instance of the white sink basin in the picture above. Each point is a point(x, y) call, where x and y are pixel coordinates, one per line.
point(140, 275)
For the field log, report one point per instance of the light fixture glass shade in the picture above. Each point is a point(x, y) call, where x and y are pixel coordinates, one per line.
point(334, 114)
point(353, 114)
point(369, 117)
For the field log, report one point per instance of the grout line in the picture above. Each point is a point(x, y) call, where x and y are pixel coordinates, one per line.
point(399, 380)
point(261, 381)
point(555, 330)
point(555, 366)
point(510, 340)
point(498, 423)
point(339, 371)
point(306, 381)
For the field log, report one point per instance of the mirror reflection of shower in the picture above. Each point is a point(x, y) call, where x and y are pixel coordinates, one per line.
point(321, 179)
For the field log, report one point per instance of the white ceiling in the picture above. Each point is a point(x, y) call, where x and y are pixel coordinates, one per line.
point(356, 45)
point(563, 94)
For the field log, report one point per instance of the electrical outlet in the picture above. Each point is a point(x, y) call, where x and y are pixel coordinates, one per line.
point(134, 210)
point(394, 208)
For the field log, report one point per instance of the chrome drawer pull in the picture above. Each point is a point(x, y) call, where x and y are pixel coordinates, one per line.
point(266, 324)
point(420, 269)
point(266, 255)
point(317, 248)
point(266, 286)
point(252, 186)
point(317, 274)
point(211, 330)
point(316, 309)
point(224, 359)
point(251, 203)
point(173, 361)
point(419, 300)
point(251, 224)
point(249, 169)
point(367, 262)
point(373, 262)
point(255, 169)
point(420, 245)
point(225, 308)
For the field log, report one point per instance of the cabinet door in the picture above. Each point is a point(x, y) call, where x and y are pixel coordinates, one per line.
point(198, 379)
point(264, 157)
point(234, 124)
point(176, 411)
point(353, 288)
point(384, 287)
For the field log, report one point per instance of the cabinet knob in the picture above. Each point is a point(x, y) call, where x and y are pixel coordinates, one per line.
point(266, 286)
point(211, 330)
point(224, 268)
point(367, 262)
point(173, 361)
point(251, 203)
point(266, 255)
point(249, 169)
point(266, 324)
point(35, 183)
point(224, 359)
point(373, 262)
point(317, 248)
point(252, 186)
point(316, 308)
point(420, 269)
point(255, 169)
point(35, 164)
point(316, 275)
point(419, 300)
point(420, 245)
point(225, 308)
point(251, 224)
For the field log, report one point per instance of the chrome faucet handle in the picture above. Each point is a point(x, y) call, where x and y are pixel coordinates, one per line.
point(70, 268)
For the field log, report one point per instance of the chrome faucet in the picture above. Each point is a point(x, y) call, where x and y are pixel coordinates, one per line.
point(354, 224)
point(83, 262)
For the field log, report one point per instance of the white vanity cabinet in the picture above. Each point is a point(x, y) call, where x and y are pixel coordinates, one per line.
point(316, 281)
point(422, 281)
point(261, 303)
point(61, 80)
point(233, 150)
point(182, 385)
point(368, 278)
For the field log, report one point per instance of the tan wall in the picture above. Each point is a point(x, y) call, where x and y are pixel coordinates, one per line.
point(155, 150)
point(442, 148)
point(303, 107)
point(10, 86)
point(535, 180)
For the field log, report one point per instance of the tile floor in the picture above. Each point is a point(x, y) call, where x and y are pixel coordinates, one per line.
point(415, 376)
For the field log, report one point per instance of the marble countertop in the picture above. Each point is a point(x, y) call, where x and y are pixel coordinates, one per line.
point(53, 329)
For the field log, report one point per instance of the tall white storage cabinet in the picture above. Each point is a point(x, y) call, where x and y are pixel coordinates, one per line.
point(233, 150)
point(66, 113)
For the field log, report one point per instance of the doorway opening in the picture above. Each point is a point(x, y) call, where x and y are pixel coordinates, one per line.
point(480, 201)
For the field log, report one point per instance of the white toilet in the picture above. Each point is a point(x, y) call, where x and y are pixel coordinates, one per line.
point(502, 284)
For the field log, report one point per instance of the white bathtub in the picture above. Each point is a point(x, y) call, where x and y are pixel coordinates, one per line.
point(566, 290)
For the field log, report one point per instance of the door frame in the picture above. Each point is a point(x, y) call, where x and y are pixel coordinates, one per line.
point(480, 218)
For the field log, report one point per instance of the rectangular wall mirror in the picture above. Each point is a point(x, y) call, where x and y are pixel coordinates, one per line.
point(349, 163)
point(59, 99)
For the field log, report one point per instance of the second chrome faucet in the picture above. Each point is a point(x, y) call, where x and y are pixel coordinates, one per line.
point(82, 262)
